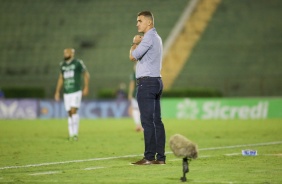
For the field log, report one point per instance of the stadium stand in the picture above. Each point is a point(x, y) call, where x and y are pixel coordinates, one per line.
point(239, 52)
point(182, 47)
point(36, 32)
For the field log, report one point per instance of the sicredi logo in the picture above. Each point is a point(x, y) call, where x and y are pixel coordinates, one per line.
point(190, 109)
point(214, 110)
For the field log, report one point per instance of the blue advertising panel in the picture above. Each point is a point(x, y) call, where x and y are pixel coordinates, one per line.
point(18, 109)
point(88, 109)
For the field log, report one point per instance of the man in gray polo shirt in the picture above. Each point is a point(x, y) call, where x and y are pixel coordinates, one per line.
point(147, 52)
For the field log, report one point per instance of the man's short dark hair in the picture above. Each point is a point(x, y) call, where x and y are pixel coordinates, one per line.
point(147, 14)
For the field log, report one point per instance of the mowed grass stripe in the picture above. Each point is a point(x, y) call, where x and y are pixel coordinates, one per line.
point(45, 173)
point(128, 156)
point(171, 160)
point(93, 168)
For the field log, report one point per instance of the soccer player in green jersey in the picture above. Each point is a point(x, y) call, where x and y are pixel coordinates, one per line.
point(133, 110)
point(70, 78)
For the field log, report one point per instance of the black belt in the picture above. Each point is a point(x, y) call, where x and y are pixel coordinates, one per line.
point(145, 77)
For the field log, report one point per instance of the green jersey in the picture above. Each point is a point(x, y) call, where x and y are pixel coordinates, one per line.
point(133, 78)
point(72, 75)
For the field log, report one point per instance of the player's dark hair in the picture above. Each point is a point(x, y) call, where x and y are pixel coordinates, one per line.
point(147, 14)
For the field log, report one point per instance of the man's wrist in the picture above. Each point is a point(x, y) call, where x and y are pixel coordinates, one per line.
point(134, 44)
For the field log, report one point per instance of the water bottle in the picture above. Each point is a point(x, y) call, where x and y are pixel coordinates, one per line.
point(249, 152)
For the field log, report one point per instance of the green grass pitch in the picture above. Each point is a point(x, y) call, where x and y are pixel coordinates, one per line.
point(37, 151)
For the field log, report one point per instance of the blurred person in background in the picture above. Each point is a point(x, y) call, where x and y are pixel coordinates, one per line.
point(147, 53)
point(121, 92)
point(133, 108)
point(2, 94)
point(70, 78)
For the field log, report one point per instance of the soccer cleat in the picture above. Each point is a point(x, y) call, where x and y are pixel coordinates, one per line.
point(75, 138)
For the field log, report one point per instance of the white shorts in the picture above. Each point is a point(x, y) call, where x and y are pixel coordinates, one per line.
point(72, 100)
point(134, 104)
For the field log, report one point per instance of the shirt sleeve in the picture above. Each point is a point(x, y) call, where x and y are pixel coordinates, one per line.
point(61, 64)
point(82, 65)
point(142, 48)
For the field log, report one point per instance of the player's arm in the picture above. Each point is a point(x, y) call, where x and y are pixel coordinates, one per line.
point(59, 87)
point(136, 40)
point(86, 78)
point(132, 48)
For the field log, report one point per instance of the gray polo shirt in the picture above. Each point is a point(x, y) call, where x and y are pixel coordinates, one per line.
point(149, 55)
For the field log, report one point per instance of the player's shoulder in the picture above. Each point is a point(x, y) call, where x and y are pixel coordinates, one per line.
point(80, 61)
point(76, 60)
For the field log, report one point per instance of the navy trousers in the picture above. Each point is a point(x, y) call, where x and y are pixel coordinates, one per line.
point(149, 90)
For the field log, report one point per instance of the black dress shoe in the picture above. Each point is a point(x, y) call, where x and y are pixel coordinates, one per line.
point(158, 162)
point(143, 162)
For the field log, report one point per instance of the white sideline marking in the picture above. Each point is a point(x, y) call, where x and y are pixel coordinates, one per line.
point(67, 162)
point(219, 182)
point(174, 159)
point(93, 168)
point(233, 154)
point(177, 159)
point(128, 156)
point(205, 156)
point(279, 154)
point(224, 182)
point(243, 145)
point(45, 173)
point(229, 154)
